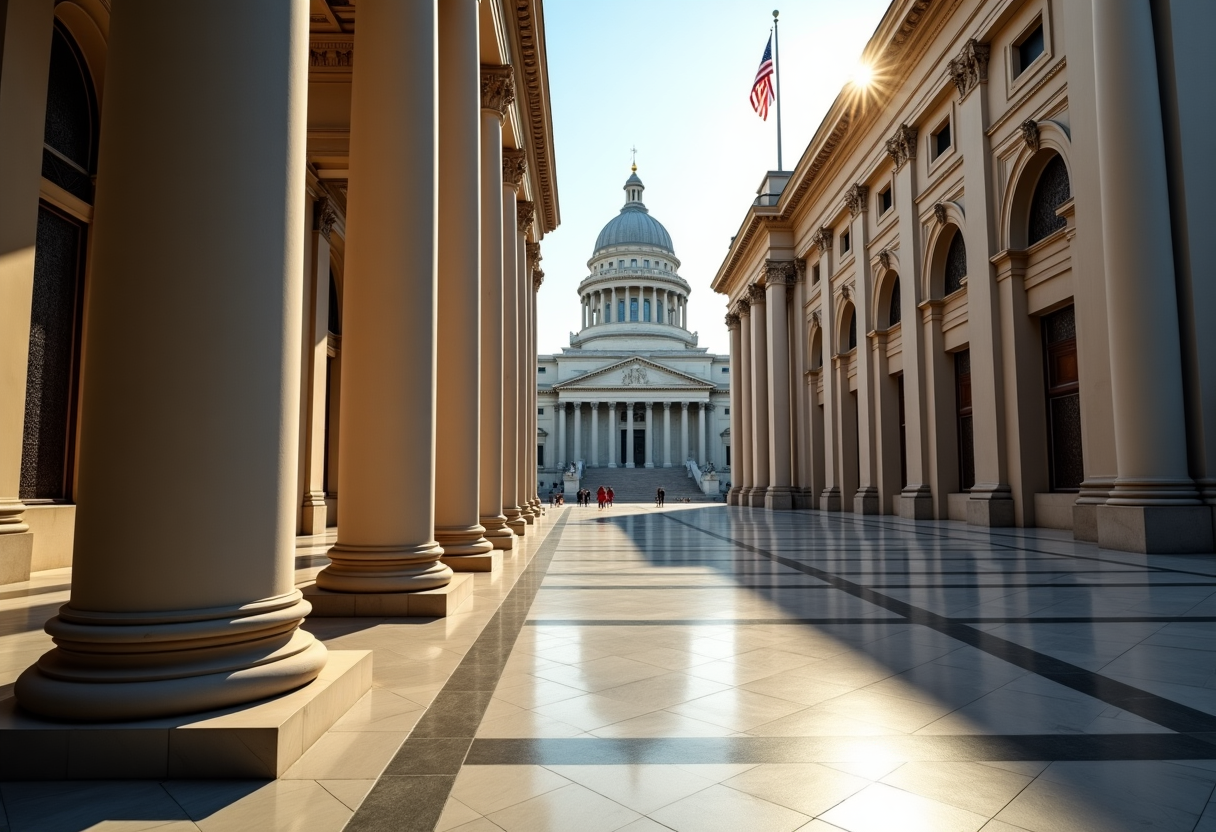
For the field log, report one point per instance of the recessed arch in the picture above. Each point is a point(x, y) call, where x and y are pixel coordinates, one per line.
point(941, 234)
point(885, 301)
point(846, 327)
point(1025, 173)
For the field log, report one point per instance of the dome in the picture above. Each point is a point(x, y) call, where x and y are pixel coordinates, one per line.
point(634, 225)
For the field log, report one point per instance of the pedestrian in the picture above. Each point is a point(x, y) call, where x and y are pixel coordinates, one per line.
point(552, 498)
point(659, 496)
point(610, 496)
point(602, 496)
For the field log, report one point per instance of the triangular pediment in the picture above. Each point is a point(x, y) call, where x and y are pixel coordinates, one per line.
point(635, 374)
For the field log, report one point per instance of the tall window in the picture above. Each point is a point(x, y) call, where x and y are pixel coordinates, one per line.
point(620, 310)
point(646, 311)
point(852, 329)
point(1063, 400)
point(658, 312)
point(1051, 191)
point(956, 264)
point(633, 309)
point(68, 160)
point(940, 140)
point(894, 314)
point(966, 425)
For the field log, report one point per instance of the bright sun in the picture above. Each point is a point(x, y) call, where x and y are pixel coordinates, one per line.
point(862, 74)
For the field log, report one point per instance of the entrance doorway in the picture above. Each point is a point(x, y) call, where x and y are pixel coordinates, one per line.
point(639, 447)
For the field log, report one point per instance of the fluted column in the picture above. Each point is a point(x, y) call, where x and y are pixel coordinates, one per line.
point(666, 434)
point(736, 387)
point(629, 435)
point(760, 383)
point(1155, 506)
point(743, 445)
point(683, 432)
point(526, 256)
point(578, 431)
point(164, 619)
point(514, 167)
point(497, 93)
point(649, 443)
point(458, 397)
point(779, 276)
point(613, 435)
point(532, 284)
point(595, 434)
point(560, 417)
point(702, 428)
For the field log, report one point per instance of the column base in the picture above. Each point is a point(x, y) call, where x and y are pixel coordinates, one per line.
point(253, 742)
point(829, 500)
point(611, 464)
point(487, 562)
point(916, 503)
point(755, 498)
point(630, 465)
point(383, 569)
point(1085, 523)
point(313, 513)
point(431, 603)
point(779, 498)
point(501, 538)
point(515, 520)
point(865, 501)
point(649, 464)
point(990, 506)
point(1156, 530)
point(16, 556)
point(732, 497)
point(462, 541)
point(666, 464)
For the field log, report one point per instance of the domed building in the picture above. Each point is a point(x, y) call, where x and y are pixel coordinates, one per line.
point(633, 389)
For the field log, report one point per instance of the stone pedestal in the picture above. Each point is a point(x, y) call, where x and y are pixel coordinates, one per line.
point(1155, 530)
point(865, 501)
point(779, 497)
point(916, 503)
point(709, 484)
point(431, 603)
point(570, 485)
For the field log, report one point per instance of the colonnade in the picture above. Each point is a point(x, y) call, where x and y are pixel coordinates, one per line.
point(622, 416)
point(192, 349)
point(668, 306)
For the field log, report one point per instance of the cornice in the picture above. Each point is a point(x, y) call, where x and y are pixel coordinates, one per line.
point(528, 29)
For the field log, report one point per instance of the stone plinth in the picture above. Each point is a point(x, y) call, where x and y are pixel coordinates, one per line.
point(570, 485)
point(257, 741)
point(431, 603)
point(489, 562)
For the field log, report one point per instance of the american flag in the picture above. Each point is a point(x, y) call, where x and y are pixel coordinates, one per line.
point(762, 87)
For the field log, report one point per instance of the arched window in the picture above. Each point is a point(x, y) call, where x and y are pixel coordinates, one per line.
point(894, 314)
point(956, 264)
point(70, 130)
point(646, 311)
point(1052, 190)
point(852, 329)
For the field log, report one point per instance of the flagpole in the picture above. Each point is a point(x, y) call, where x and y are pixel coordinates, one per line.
point(777, 72)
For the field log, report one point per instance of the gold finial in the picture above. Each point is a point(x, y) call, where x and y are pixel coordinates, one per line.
point(634, 150)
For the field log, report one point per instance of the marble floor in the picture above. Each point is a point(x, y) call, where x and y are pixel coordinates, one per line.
point(702, 668)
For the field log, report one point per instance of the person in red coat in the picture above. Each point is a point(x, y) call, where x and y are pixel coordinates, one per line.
point(602, 496)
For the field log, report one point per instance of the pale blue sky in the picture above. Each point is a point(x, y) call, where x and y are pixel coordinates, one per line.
point(673, 77)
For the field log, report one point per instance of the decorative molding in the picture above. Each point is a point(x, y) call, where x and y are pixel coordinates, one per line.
point(534, 92)
point(939, 212)
point(514, 167)
point(823, 239)
point(331, 54)
point(815, 317)
point(532, 251)
point(857, 199)
point(1030, 134)
point(799, 270)
point(538, 278)
point(324, 216)
point(732, 320)
point(755, 294)
point(884, 257)
point(525, 214)
point(497, 88)
point(846, 291)
point(970, 68)
point(902, 146)
point(778, 272)
point(743, 307)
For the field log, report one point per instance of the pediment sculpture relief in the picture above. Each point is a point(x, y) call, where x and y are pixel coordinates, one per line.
point(635, 375)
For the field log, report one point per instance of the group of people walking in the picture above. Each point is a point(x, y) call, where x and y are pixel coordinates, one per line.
point(603, 495)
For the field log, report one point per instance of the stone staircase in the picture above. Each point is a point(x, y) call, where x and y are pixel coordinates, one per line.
point(638, 485)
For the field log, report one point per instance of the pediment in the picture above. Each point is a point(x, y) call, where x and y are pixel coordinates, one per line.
point(635, 374)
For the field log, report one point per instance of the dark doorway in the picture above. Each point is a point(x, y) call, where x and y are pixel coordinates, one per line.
point(966, 425)
point(639, 446)
point(903, 431)
point(1063, 400)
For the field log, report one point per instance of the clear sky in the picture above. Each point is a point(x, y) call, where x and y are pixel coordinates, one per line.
point(673, 78)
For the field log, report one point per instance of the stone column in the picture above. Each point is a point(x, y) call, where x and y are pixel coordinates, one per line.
point(164, 619)
point(595, 434)
point(612, 305)
point(537, 279)
point(799, 350)
point(497, 93)
point(629, 435)
point(760, 385)
point(1155, 506)
point(666, 434)
point(736, 386)
point(829, 499)
point(514, 167)
point(613, 435)
point(578, 431)
point(25, 57)
point(743, 444)
point(865, 499)
point(702, 429)
point(387, 431)
point(778, 277)
point(683, 433)
point(458, 434)
point(314, 343)
point(649, 443)
point(560, 416)
point(527, 255)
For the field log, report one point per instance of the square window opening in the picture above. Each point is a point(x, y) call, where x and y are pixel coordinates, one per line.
point(1028, 49)
point(940, 139)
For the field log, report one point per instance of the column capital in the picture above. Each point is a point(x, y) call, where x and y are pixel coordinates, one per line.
point(902, 146)
point(778, 272)
point(594, 405)
point(324, 216)
point(629, 406)
point(649, 405)
point(799, 270)
point(497, 88)
point(525, 213)
point(755, 294)
point(823, 239)
point(732, 320)
point(970, 68)
point(684, 405)
point(538, 278)
point(514, 167)
point(667, 405)
point(857, 199)
point(743, 307)
point(707, 407)
point(533, 254)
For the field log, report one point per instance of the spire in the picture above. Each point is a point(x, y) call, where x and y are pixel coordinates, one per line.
point(633, 189)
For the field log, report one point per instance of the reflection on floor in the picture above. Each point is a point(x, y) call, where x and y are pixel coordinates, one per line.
point(703, 668)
